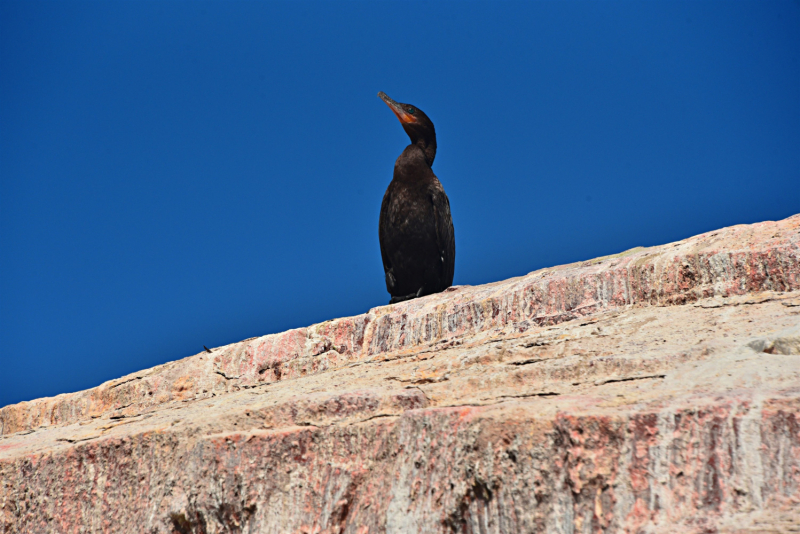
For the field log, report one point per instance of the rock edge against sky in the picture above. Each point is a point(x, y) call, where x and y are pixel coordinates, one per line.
point(655, 390)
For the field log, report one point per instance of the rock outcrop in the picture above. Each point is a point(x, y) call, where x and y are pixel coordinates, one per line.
point(653, 391)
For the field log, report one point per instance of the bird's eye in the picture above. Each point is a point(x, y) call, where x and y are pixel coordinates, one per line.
point(411, 109)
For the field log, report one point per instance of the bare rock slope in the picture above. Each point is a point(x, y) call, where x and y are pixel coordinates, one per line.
point(657, 390)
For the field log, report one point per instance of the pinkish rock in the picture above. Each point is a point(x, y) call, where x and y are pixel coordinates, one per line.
point(652, 391)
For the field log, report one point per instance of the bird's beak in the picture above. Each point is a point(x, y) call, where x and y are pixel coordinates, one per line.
point(404, 117)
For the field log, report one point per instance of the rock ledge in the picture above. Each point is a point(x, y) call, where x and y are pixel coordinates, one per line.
point(653, 391)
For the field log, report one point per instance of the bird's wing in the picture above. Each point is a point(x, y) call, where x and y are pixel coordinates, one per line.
point(445, 235)
point(383, 223)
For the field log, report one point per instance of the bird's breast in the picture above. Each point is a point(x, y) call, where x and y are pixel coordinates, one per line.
point(409, 216)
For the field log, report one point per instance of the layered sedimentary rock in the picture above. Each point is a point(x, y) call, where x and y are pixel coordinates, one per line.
point(653, 391)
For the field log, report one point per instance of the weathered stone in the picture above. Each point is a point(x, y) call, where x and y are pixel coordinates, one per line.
point(652, 391)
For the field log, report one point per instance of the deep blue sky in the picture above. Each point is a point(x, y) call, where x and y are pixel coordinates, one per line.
point(174, 174)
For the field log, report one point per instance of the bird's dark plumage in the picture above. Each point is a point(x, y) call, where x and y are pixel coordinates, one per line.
point(418, 244)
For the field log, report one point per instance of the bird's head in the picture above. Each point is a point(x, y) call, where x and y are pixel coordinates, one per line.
point(416, 124)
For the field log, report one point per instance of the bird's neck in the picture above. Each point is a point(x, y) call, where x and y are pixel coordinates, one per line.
point(428, 147)
point(412, 165)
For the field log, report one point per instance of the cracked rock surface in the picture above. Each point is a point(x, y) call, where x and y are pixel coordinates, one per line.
point(652, 391)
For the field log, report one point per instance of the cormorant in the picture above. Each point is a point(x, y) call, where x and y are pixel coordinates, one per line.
point(418, 245)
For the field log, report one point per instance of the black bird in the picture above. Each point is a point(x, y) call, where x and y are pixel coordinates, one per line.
point(418, 244)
